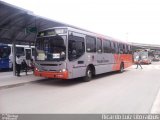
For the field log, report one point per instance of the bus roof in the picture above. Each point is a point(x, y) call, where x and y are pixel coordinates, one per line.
point(83, 31)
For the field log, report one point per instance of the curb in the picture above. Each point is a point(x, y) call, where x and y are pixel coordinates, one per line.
point(19, 84)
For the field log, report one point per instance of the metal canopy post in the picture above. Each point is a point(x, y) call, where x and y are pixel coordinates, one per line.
point(14, 57)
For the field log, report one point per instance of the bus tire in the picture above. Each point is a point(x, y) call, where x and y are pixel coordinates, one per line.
point(89, 74)
point(121, 68)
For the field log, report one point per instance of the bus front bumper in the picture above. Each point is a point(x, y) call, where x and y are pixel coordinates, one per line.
point(47, 74)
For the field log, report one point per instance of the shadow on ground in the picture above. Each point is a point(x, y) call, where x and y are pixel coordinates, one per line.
point(71, 82)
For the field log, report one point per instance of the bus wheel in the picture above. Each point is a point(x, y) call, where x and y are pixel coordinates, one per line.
point(121, 68)
point(89, 75)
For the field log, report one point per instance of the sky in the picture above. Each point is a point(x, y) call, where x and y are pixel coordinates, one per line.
point(128, 20)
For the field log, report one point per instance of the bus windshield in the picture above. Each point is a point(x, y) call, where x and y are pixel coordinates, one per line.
point(51, 48)
point(5, 51)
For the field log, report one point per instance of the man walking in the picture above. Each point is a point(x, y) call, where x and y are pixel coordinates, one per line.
point(138, 60)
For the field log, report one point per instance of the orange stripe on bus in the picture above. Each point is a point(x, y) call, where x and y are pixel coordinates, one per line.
point(126, 58)
point(61, 75)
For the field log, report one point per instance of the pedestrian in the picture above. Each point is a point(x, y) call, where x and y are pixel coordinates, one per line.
point(24, 66)
point(18, 65)
point(32, 64)
point(138, 63)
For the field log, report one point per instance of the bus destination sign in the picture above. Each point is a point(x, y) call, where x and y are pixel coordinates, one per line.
point(51, 32)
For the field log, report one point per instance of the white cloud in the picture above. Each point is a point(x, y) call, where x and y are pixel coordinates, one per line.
point(138, 18)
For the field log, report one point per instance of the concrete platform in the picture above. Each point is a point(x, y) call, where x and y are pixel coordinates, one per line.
point(8, 80)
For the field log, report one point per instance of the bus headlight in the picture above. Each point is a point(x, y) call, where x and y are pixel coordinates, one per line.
point(37, 69)
point(63, 70)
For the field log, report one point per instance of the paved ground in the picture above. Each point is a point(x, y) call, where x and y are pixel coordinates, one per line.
point(8, 80)
point(133, 91)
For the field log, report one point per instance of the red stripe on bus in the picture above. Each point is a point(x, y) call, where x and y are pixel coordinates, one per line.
point(61, 75)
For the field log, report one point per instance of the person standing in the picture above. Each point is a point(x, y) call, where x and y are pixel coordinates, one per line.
point(24, 66)
point(18, 65)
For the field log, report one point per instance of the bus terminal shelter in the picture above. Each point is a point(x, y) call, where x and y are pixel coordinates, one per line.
point(20, 26)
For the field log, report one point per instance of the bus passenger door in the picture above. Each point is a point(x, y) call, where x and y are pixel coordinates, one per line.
point(76, 55)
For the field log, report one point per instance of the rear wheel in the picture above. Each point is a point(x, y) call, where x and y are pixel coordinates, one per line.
point(121, 68)
point(89, 74)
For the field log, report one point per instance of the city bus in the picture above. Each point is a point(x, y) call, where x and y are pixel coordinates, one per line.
point(6, 54)
point(156, 55)
point(67, 53)
point(146, 56)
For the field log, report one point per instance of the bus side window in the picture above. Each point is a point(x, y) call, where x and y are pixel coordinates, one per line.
point(5, 51)
point(33, 51)
point(121, 48)
point(129, 49)
point(99, 45)
point(76, 47)
point(106, 46)
point(112, 47)
point(28, 54)
point(124, 49)
point(127, 46)
point(90, 44)
point(116, 48)
point(20, 51)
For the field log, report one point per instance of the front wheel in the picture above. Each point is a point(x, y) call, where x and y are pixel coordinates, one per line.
point(89, 74)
